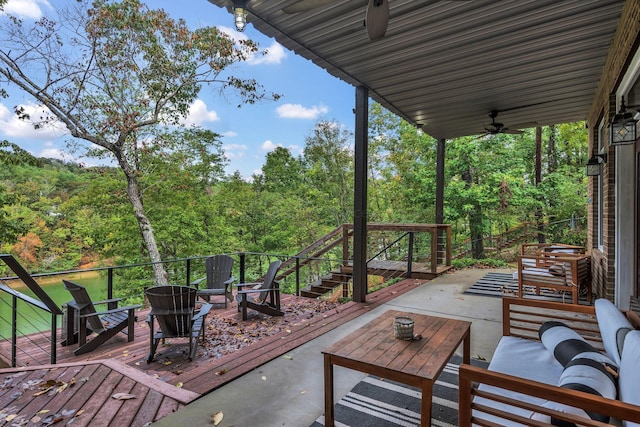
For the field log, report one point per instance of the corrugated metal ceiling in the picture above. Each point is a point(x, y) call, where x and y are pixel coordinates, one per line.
point(446, 64)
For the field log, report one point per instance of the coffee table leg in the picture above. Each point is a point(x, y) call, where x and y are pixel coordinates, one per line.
point(328, 391)
point(425, 411)
point(466, 348)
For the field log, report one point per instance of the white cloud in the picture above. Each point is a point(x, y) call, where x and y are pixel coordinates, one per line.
point(230, 134)
point(297, 111)
point(26, 8)
point(274, 54)
point(199, 114)
point(54, 153)
point(11, 126)
point(234, 151)
point(268, 146)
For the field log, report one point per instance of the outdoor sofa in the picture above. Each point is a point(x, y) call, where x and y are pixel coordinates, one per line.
point(526, 383)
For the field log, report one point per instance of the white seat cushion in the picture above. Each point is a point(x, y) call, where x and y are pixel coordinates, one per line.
point(610, 321)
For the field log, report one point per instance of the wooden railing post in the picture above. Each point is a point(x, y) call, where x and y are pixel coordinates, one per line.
point(434, 249)
point(410, 254)
point(14, 330)
point(298, 276)
point(188, 266)
point(242, 256)
point(345, 244)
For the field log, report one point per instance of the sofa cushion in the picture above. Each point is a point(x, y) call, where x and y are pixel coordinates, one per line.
point(610, 321)
point(589, 372)
point(629, 381)
point(562, 341)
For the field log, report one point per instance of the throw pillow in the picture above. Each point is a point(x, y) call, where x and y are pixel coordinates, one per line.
point(590, 372)
point(610, 320)
point(562, 341)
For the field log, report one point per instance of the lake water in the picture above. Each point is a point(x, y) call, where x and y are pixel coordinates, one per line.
point(32, 319)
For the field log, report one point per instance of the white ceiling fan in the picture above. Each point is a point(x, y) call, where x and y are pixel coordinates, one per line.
point(376, 18)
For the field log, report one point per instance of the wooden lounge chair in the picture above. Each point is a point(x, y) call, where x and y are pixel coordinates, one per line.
point(218, 279)
point(561, 272)
point(261, 296)
point(173, 308)
point(106, 324)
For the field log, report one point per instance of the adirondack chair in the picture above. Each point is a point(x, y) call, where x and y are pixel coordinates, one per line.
point(106, 324)
point(261, 296)
point(173, 308)
point(218, 279)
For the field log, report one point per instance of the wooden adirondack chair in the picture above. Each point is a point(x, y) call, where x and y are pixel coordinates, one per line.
point(219, 279)
point(174, 310)
point(267, 300)
point(106, 324)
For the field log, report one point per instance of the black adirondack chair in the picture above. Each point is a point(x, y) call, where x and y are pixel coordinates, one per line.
point(105, 324)
point(173, 308)
point(218, 279)
point(261, 296)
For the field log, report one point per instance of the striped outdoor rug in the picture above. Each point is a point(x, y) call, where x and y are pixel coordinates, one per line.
point(504, 284)
point(375, 402)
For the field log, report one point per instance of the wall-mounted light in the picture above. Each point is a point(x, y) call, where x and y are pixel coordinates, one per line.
point(240, 14)
point(594, 165)
point(622, 129)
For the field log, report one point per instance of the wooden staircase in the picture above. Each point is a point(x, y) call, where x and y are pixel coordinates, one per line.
point(333, 249)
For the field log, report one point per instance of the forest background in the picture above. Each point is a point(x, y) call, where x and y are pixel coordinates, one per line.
point(60, 216)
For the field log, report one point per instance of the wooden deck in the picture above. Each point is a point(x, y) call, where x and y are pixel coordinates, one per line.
point(171, 367)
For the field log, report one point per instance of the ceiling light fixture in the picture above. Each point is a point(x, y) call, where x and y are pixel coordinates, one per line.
point(240, 14)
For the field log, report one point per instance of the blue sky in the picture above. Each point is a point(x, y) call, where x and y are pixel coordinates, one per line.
point(309, 94)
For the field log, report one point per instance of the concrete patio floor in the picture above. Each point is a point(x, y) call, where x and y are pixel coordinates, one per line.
point(289, 390)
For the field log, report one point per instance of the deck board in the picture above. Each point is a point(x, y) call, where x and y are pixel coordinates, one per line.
point(120, 366)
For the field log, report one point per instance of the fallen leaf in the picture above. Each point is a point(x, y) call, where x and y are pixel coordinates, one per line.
point(168, 362)
point(123, 396)
point(303, 391)
point(179, 385)
point(221, 372)
point(10, 417)
point(264, 378)
point(217, 417)
point(286, 356)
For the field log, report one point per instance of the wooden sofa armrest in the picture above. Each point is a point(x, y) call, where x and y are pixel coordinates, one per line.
point(470, 375)
point(522, 317)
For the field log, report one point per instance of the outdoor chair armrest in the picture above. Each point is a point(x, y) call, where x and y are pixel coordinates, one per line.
point(107, 301)
point(204, 310)
point(242, 285)
point(197, 282)
point(115, 310)
point(229, 281)
point(255, 291)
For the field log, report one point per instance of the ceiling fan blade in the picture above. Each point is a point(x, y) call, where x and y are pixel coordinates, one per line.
point(512, 132)
point(377, 18)
point(304, 5)
point(524, 125)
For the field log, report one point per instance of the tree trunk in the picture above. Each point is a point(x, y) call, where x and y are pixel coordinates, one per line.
point(475, 221)
point(146, 231)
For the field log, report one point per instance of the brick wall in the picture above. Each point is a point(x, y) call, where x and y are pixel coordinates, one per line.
point(622, 49)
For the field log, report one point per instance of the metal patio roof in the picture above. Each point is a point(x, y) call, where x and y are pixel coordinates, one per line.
point(446, 64)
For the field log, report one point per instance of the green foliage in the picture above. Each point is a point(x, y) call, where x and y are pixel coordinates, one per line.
point(478, 263)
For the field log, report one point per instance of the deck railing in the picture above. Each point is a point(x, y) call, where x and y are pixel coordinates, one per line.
point(323, 256)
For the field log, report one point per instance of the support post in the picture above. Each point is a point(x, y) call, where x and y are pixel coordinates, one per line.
point(440, 155)
point(360, 195)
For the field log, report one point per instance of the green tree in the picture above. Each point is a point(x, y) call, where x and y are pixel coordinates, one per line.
point(116, 74)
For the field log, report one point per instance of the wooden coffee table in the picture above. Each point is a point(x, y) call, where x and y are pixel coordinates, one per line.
point(373, 349)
